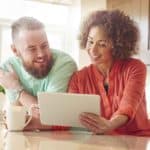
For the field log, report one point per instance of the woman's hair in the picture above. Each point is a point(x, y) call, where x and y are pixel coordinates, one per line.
point(119, 28)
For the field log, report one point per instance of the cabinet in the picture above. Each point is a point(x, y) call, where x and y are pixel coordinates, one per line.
point(139, 11)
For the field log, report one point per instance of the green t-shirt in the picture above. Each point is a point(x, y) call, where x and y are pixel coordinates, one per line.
point(56, 80)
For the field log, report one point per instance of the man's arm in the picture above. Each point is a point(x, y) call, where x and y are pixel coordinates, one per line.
point(10, 81)
point(27, 100)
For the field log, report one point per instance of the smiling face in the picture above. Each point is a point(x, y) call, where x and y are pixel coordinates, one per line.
point(33, 48)
point(99, 46)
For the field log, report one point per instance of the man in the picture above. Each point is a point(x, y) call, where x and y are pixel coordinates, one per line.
point(34, 68)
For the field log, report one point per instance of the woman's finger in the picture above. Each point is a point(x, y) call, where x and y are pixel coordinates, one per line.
point(93, 118)
point(88, 121)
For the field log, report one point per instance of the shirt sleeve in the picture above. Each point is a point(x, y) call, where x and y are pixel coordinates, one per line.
point(61, 76)
point(73, 88)
point(134, 91)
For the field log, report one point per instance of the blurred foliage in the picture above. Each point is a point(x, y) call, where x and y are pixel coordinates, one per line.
point(2, 89)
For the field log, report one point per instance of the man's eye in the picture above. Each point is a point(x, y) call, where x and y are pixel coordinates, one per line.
point(44, 46)
point(31, 49)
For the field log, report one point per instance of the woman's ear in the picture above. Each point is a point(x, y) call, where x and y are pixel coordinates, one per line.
point(14, 50)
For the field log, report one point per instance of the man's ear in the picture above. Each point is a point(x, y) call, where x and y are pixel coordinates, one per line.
point(15, 51)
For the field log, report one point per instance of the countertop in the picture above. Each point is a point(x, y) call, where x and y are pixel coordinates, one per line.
point(70, 140)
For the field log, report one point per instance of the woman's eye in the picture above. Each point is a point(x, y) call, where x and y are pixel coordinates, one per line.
point(103, 45)
point(90, 42)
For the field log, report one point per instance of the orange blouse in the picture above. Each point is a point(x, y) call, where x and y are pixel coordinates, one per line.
point(125, 96)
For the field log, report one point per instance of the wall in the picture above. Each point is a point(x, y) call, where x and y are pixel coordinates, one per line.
point(86, 7)
point(148, 91)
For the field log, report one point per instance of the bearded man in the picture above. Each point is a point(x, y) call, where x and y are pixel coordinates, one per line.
point(34, 68)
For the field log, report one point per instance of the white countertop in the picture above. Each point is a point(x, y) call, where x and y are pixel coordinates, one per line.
point(69, 140)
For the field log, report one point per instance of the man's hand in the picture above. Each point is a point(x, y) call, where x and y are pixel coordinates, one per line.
point(9, 79)
point(34, 111)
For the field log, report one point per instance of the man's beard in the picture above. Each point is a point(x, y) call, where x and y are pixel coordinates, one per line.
point(39, 73)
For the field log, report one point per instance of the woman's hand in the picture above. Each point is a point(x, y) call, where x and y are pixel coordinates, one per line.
point(95, 123)
point(100, 125)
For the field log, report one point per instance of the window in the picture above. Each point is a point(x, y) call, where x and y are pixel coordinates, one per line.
point(149, 27)
point(57, 19)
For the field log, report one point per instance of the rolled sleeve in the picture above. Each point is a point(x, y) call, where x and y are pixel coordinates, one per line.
point(133, 95)
point(60, 77)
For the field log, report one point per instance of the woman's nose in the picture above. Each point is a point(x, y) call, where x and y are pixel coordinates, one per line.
point(94, 48)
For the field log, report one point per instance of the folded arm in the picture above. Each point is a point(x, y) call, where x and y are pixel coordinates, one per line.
point(10, 81)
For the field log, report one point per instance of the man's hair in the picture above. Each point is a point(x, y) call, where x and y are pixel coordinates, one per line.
point(25, 23)
point(120, 29)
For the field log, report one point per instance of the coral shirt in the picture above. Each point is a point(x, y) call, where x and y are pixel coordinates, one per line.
point(126, 93)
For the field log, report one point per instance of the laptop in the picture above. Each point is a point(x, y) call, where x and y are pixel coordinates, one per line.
point(64, 108)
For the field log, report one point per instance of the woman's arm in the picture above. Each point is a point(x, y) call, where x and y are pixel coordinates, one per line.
point(133, 93)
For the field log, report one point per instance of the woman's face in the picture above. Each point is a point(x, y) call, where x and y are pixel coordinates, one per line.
point(99, 46)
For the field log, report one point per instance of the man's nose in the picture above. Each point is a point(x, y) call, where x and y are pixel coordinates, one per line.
point(40, 52)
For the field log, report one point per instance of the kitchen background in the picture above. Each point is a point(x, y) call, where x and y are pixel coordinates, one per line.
point(62, 19)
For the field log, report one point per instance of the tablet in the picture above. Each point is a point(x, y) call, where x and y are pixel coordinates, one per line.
point(64, 108)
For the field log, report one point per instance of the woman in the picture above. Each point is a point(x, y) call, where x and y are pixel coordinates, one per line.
point(110, 38)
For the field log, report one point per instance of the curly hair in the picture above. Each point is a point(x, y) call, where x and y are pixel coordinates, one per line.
point(120, 29)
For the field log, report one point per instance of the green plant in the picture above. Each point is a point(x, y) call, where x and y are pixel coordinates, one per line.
point(2, 89)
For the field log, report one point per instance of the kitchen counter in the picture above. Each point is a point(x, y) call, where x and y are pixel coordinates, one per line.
point(69, 140)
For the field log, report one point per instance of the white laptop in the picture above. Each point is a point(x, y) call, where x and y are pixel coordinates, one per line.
point(64, 108)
